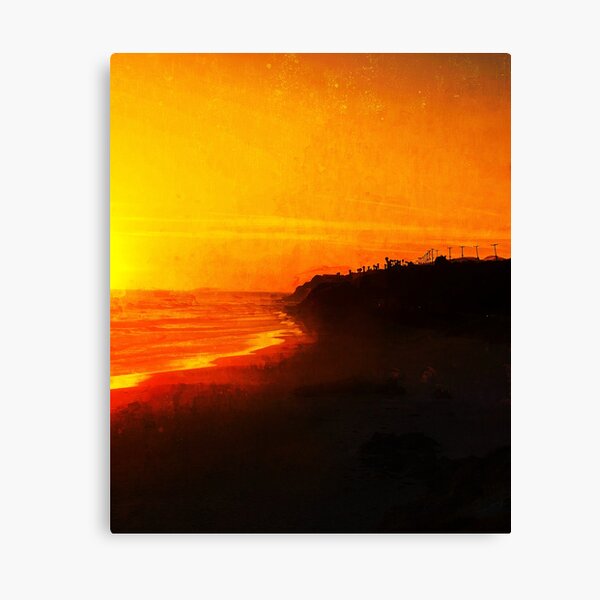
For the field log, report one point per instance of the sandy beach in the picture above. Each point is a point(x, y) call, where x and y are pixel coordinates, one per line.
point(406, 432)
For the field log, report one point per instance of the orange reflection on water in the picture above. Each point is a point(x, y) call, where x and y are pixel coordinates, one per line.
point(158, 332)
point(259, 342)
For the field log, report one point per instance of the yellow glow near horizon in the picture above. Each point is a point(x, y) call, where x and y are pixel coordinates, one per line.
point(249, 171)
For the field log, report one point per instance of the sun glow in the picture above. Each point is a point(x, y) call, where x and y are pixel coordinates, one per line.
point(244, 171)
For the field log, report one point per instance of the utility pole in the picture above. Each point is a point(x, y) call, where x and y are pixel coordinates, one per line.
point(477, 250)
point(449, 252)
point(462, 253)
point(495, 252)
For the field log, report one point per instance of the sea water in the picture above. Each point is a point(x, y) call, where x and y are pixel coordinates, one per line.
point(164, 331)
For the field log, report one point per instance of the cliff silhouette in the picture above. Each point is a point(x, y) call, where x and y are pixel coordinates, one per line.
point(467, 295)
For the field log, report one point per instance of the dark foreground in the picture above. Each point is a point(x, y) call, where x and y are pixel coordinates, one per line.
point(384, 427)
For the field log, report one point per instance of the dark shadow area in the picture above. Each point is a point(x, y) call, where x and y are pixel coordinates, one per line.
point(397, 419)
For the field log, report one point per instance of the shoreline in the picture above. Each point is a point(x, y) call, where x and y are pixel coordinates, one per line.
point(242, 369)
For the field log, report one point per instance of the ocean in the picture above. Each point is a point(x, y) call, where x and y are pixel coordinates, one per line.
point(164, 331)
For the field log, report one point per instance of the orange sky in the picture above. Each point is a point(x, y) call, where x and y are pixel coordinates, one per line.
point(252, 172)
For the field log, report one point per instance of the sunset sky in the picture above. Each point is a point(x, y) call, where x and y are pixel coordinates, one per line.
point(253, 172)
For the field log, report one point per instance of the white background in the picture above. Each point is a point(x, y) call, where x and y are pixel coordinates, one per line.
point(54, 248)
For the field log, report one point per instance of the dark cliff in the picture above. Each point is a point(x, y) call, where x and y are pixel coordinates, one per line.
point(473, 294)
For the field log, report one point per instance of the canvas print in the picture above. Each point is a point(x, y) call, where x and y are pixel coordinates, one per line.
point(310, 293)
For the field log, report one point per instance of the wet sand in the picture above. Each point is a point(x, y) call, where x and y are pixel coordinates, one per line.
point(406, 431)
